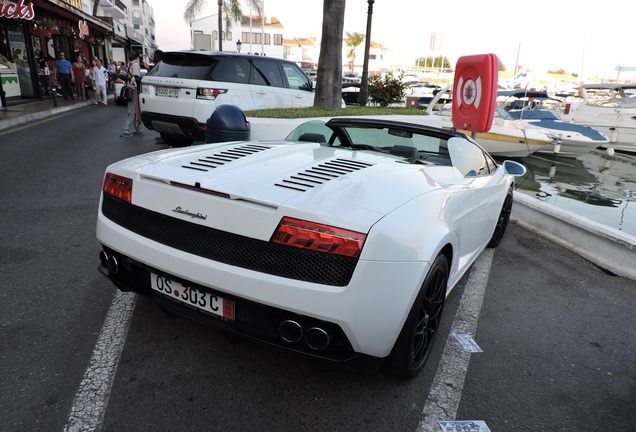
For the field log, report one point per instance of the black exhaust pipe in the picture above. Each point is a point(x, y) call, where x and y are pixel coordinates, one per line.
point(109, 261)
point(317, 338)
point(290, 331)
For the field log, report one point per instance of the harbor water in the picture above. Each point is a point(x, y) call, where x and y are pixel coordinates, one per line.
point(597, 186)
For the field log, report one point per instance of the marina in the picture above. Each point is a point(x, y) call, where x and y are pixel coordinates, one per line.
point(595, 185)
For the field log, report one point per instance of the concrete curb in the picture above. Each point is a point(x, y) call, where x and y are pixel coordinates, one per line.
point(608, 248)
point(28, 118)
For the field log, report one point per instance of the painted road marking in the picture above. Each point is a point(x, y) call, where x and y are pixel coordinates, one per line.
point(91, 399)
point(446, 390)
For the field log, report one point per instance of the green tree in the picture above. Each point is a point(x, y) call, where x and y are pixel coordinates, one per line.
point(433, 62)
point(353, 41)
point(387, 90)
point(231, 9)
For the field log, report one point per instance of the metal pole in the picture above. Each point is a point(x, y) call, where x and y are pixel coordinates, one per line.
point(262, 28)
point(363, 97)
point(220, 4)
point(3, 96)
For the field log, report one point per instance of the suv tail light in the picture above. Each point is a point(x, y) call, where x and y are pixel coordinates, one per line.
point(118, 186)
point(318, 237)
point(209, 93)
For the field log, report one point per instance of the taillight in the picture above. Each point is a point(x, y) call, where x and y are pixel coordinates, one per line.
point(321, 238)
point(118, 186)
point(209, 93)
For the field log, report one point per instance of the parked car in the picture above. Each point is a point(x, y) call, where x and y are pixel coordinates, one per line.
point(341, 242)
point(351, 93)
point(180, 93)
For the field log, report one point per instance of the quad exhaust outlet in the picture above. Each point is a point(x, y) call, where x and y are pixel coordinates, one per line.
point(109, 261)
point(314, 337)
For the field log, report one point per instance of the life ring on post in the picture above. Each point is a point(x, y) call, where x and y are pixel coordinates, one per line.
point(475, 92)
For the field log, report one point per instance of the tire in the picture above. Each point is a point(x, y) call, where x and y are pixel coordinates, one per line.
point(502, 221)
point(176, 140)
point(414, 344)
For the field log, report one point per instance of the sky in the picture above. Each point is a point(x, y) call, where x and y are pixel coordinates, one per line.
point(539, 36)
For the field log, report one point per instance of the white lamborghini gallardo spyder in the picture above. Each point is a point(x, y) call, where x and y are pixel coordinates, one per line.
point(341, 241)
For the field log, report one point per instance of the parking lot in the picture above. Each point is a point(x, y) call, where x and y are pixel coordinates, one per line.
point(557, 332)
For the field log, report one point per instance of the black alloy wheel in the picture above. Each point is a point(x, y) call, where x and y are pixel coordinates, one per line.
point(502, 222)
point(413, 346)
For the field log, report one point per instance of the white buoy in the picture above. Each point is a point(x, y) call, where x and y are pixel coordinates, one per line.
point(609, 151)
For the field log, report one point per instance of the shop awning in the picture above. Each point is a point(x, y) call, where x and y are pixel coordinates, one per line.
point(73, 14)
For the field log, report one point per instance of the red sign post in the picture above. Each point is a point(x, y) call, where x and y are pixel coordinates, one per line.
point(475, 92)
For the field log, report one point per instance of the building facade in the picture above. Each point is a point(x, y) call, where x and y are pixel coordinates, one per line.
point(266, 36)
point(34, 32)
point(254, 34)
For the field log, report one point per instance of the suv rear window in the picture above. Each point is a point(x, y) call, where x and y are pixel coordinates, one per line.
point(234, 69)
point(231, 69)
point(184, 66)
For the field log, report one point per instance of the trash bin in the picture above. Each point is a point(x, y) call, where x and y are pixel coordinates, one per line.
point(227, 123)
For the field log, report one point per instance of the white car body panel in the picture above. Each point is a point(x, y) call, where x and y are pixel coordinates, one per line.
point(408, 212)
point(262, 206)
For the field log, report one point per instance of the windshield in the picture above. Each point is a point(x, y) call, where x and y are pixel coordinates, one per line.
point(405, 142)
point(408, 145)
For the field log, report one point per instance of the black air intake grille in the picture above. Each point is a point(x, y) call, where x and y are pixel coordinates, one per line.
point(262, 256)
point(221, 158)
point(322, 173)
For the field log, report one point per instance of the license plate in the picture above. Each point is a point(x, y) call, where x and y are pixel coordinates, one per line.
point(168, 92)
point(191, 296)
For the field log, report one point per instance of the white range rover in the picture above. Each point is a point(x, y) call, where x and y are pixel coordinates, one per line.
point(180, 93)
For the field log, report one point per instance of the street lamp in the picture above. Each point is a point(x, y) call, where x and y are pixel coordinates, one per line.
point(238, 45)
point(363, 97)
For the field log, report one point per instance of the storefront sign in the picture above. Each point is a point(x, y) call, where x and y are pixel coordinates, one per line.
point(16, 10)
point(83, 29)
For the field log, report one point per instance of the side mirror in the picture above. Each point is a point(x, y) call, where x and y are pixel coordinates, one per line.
point(514, 168)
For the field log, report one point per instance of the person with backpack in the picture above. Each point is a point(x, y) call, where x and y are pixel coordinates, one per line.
point(133, 84)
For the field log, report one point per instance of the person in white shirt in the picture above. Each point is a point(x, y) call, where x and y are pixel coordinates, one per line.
point(99, 72)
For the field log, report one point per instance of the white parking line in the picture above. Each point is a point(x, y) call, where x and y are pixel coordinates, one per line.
point(91, 399)
point(446, 390)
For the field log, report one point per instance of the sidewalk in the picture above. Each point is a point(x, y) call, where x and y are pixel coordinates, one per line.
point(18, 115)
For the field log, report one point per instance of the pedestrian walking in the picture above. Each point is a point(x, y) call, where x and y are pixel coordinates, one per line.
point(63, 69)
point(133, 120)
point(112, 74)
point(99, 82)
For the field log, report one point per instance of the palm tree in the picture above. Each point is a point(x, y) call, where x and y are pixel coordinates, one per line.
point(353, 41)
point(329, 80)
point(230, 8)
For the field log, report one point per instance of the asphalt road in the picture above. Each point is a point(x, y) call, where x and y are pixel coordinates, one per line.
point(558, 334)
